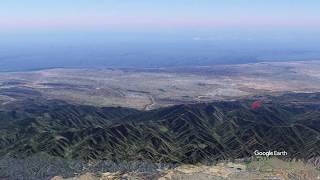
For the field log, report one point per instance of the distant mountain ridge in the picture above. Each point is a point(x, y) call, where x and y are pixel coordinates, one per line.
point(183, 133)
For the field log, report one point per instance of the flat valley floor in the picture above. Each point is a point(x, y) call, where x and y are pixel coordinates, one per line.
point(147, 89)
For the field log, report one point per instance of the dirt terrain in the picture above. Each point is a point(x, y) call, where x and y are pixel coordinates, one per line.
point(262, 170)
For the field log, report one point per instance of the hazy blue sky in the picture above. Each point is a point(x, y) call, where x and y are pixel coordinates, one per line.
point(82, 33)
point(23, 15)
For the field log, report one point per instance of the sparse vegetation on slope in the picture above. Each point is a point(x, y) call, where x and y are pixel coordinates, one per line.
point(178, 134)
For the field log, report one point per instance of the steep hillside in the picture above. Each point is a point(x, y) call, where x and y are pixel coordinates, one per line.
point(184, 133)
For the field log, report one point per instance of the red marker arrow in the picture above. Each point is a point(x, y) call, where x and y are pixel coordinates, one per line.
point(256, 104)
